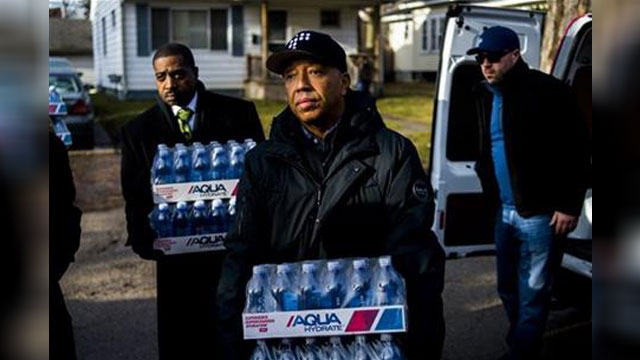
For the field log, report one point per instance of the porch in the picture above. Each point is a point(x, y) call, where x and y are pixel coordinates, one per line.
point(364, 31)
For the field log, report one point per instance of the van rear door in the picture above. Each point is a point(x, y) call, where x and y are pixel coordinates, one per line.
point(463, 224)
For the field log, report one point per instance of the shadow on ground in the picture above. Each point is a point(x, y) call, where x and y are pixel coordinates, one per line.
point(122, 329)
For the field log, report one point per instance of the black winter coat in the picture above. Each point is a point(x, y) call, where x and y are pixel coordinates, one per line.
point(374, 200)
point(545, 143)
point(64, 231)
point(218, 117)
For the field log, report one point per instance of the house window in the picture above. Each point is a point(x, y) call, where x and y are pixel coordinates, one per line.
point(443, 24)
point(219, 29)
point(425, 33)
point(434, 33)
point(330, 18)
point(277, 20)
point(104, 35)
point(190, 28)
point(197, 29)
point(113, 19)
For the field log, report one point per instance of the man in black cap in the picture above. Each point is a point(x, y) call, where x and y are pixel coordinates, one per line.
point(184, 112)
point(333, 182)
point(532, 166)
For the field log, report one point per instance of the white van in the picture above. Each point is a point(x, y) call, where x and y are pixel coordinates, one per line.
point(462, 223)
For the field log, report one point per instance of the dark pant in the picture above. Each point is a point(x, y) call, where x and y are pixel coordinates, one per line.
point(186, 306)
point(527, 258)
point(62, 344)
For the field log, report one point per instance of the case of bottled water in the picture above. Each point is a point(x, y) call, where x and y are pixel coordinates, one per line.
point(337, 306)
point(194, 191)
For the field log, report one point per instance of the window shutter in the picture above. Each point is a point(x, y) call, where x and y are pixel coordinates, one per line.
point(142, 23)
point(219, 24)
point(237, 21)
point(159, 27)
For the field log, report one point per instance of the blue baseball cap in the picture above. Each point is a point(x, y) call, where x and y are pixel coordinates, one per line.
point(496, 39)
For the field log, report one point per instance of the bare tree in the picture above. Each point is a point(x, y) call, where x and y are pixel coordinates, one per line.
point(85, 5)
point(65, 8)
point(75, 8)
point(560, 14)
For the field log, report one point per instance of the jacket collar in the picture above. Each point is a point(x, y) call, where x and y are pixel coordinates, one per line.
point(511, 79)
point(360, 120)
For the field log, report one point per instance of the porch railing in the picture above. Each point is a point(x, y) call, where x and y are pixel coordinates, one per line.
point(254, 69)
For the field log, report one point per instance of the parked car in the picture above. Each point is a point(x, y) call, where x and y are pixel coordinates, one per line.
point(59, 63)
point(463, 224)
point(80, 118)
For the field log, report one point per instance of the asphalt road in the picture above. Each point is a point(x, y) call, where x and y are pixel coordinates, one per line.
point(111, 296)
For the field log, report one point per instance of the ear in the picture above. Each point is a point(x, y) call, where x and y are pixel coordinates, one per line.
point(345, 82)
point(195, 72)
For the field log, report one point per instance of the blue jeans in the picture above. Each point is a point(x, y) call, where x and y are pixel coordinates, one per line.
point(526, 256)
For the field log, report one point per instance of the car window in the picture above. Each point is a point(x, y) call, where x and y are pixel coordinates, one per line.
point(59, 64)
point(65, 83)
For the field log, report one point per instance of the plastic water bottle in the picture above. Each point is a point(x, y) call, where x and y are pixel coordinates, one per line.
point(200, 218)
point(388, 349)
point(360, 348)
point(181, 220)
point(390, 288)
point(249, 144)
point(335, 290)
point(182, 164)
point(360, 292)
point(336, 349)
point(219, 217)
point(162, 170)
point(286, 351)
point(201, 163)
point(219, 163)
point(284, 288)
point(310, 292)
point(236, 161)
point(161, 218)
point(259, 299)
point(261, 352)
point(310, 351)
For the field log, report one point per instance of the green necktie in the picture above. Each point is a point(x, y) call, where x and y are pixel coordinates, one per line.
point(183, 121)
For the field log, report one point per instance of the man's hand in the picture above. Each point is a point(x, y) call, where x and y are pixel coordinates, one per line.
point(563, 223)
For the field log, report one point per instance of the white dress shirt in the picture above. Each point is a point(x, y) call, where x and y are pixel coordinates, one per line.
point(192, 106)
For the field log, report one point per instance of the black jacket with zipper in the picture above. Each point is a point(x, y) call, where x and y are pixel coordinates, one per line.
point(545, 141)
point(374, 199)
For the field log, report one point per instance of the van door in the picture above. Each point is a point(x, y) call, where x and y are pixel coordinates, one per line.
point(573, 65)
point(463, 224)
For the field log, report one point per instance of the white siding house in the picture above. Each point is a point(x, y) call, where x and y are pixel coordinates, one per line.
point(415, 37)
point(108, 53)
point(415, 30)
point(223, 35)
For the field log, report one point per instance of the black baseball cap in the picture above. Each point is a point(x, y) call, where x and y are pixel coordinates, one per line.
point(312, 45)
point(496, 39)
